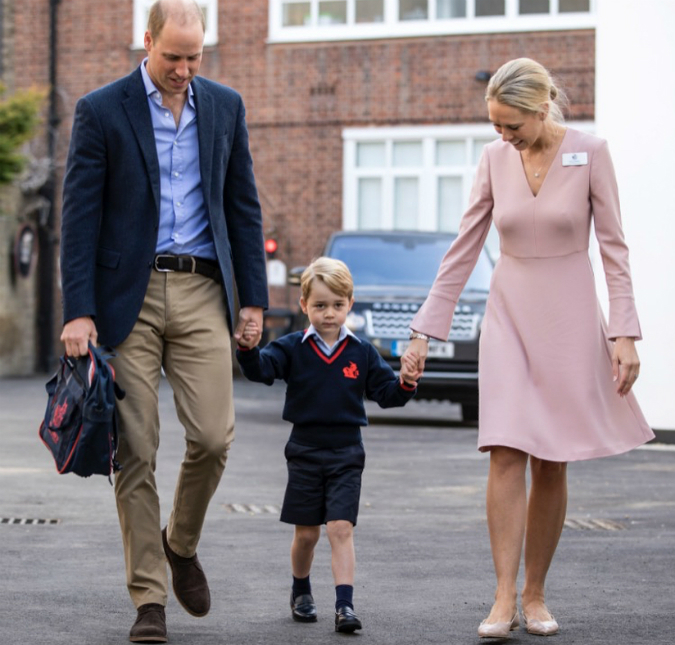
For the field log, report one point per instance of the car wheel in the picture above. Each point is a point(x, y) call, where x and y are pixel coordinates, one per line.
point(470, 412)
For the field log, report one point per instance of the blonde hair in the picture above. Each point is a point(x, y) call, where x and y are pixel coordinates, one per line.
point(333, 273)
point(526, 85)
point(183, 11)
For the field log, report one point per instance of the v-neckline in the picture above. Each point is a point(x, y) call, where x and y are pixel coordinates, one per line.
point(555, 155)
point(336, 352)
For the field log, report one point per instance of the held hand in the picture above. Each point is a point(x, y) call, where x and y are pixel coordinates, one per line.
point(76, 335)
point(250, 335)
point(249, 327)
point(413, 359)
point(625, 364)
point(408, 373)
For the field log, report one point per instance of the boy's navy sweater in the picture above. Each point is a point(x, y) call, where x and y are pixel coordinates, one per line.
point(324, 394)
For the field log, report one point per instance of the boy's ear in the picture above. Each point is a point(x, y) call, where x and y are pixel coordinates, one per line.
point(303, 305)
point(351, 303)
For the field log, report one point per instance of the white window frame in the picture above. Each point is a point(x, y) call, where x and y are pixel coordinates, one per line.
point(392, 27)
point(428, 174)
point(141, 8)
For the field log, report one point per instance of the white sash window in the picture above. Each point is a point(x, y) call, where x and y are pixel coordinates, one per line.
point(413, 177)
point(320, 20)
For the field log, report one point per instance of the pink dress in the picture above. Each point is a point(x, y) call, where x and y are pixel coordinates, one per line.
point(545, 370)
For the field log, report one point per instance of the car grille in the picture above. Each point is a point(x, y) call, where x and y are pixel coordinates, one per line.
point(388, 323)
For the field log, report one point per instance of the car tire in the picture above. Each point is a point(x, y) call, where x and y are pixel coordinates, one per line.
point(470, 412)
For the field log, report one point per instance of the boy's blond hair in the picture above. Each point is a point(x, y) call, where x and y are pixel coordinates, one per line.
point(333, 273)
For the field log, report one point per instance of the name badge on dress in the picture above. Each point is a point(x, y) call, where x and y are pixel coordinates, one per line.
point(575, 159)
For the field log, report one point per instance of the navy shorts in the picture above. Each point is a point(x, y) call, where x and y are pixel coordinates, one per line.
point(324, 484)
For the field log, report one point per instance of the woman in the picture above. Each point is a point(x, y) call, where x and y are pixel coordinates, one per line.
point(555, 379)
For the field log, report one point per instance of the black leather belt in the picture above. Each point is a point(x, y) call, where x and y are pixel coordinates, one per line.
point(188, 264)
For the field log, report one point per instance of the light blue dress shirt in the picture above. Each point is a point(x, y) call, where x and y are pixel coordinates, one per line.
point(323, 345)
point(184, 227)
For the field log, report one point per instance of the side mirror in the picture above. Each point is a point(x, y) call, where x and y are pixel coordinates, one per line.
point(294, 276)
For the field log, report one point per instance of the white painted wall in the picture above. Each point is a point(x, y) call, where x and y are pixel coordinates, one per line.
point(635, 112)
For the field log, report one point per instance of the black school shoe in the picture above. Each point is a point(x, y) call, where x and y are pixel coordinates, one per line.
point(303, 608)
point(346, 621)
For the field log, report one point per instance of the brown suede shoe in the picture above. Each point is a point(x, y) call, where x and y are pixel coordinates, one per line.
point(150, 625)
point(189, 581)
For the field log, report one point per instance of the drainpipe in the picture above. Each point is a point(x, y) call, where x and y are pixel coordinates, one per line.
point(47, 237)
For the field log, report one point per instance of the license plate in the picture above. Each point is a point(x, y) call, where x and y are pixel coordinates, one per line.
point(437, 349)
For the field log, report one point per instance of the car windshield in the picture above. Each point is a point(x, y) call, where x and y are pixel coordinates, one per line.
point(402, 260)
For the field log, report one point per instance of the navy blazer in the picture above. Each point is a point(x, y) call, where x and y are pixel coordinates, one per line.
point(111, 199)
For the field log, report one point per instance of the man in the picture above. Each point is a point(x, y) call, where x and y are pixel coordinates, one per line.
point(160, 217)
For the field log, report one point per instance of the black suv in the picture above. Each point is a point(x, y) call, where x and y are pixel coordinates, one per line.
point(393, 272)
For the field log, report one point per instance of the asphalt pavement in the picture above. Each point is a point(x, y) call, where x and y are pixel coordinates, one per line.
point(424, 569)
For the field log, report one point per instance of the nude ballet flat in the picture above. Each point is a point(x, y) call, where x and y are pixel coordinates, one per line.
point(498, 630)
point(541, 627)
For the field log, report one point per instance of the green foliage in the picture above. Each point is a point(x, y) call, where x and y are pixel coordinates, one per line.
point(19, 120)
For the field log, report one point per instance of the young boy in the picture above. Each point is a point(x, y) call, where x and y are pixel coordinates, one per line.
point(328, 370)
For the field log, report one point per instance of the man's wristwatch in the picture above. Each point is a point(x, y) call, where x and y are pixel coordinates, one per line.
point(416, 334)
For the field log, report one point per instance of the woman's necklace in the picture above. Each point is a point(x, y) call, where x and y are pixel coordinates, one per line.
point(538, 172)
point(553, 148)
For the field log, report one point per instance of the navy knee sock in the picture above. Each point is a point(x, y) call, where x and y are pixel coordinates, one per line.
point(344, 595)
point(301, 586)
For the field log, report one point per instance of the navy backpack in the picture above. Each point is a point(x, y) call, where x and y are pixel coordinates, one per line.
point(80, 424)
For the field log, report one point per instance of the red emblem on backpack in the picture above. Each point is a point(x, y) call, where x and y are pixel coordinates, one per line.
point(59, 413)
point(351, 371)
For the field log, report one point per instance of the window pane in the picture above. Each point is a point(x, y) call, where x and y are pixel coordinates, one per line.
point(478, 146)
point(490, 8)
point(406, 202)
point(450, 153)
point(296, 14)
point(370, 203)
point(534, 6)
point(370, 155)
point(449, 203)
point(451, 9)
point(408, 153)
point(568, 6)
point(333, 13)
point(369, 10)
point(413, 10)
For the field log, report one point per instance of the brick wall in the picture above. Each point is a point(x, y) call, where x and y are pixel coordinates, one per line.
point(299, 97)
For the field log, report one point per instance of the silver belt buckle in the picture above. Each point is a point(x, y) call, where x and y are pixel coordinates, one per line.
point(157, 257)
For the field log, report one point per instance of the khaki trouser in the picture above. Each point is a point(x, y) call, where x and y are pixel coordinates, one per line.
point(182, 327)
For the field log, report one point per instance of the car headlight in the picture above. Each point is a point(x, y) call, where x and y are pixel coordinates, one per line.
point(355, 322)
